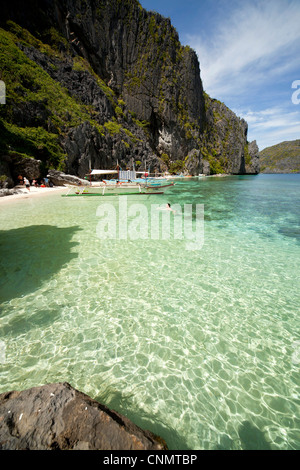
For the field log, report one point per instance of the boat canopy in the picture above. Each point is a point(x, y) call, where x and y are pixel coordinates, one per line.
point(103, 172)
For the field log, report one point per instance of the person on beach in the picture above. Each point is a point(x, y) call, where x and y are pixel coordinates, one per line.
point(26, 182)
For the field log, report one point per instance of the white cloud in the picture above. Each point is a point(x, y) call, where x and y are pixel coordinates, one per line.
point(271, 126)
point(256, 42)
point(249, 60)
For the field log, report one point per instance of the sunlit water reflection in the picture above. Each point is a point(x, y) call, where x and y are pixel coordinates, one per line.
point(201, 347)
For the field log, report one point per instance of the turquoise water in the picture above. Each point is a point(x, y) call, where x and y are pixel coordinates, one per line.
point(201, 347)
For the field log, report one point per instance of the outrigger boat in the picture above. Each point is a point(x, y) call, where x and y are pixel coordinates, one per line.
point(126, 184)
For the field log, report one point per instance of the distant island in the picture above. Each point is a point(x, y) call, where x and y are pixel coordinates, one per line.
point(281, 158)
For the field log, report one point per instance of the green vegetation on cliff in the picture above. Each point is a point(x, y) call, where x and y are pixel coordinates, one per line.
point(39, 111)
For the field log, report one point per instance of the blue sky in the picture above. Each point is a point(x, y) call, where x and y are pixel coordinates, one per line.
point(249, 54)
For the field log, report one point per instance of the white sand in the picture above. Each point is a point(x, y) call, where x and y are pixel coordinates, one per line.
point(24, 193)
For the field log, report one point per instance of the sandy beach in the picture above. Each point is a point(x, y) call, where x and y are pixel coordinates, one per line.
point(24, 193)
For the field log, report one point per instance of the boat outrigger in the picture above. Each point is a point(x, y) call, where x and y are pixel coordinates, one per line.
point(126, 184)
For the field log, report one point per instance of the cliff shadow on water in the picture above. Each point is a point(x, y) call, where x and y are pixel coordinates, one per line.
point(29, 256)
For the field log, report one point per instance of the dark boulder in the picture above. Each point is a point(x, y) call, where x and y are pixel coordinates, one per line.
point(58, 178)
point(58, 417)
point(15, 164)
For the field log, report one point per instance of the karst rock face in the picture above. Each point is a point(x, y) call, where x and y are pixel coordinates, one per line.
point(139, 89)
point(59, 417)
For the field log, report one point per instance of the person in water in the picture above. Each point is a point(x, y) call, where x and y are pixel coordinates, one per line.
point(166, 208)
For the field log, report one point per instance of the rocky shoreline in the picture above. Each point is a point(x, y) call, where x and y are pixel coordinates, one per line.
point(59, 417)
point(57, 178)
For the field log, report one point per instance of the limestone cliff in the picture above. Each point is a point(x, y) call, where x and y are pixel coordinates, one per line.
point(224, 143)
point(94, 82)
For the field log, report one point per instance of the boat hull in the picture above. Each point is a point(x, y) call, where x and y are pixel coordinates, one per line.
point(116, 190)
point(112, 194)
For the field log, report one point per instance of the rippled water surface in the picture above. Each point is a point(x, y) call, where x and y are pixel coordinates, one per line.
point(202, 347)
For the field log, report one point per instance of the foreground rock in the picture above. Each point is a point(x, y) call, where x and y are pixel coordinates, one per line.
point(58, 417)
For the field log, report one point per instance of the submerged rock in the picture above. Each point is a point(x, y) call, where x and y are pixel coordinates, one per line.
point(58, 417)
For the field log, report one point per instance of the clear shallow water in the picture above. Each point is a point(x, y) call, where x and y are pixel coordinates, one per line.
point(201, 347)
